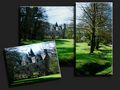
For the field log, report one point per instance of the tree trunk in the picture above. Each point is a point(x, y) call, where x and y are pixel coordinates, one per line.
point(92, 44)
point(97, 43)
point(63, 34)
point(93, 29)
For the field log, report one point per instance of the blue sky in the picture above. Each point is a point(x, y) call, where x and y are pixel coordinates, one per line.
point(59, 14)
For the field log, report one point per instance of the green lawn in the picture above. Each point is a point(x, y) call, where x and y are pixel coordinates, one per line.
point(65, 49)
point(42, 78)
point(98, 63)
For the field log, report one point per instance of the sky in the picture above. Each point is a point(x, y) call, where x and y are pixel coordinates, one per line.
point(35, 47)
point(79, 11)
point(59, 14)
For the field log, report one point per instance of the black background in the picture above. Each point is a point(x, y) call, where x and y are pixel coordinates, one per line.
point(9, 38)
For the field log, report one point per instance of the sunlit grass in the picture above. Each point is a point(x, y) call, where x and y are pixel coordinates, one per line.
point(107, 71)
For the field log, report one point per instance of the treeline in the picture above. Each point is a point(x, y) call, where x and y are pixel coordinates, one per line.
point(95, 25)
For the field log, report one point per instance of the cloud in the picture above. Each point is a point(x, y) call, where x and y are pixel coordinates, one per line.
point(59, 14)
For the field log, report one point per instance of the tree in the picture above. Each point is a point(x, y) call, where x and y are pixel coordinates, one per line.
point(13, 62)
point(69, 32)
point(32, 21)
point(104, 23)
point(95, 21)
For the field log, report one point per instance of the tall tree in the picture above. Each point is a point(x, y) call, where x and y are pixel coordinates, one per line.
point(90, 15)
point(95, 18)
point(104, 23)
point(32, 22)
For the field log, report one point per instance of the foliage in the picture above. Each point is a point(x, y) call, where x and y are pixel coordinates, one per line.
point(32, 22)
point(69, 33)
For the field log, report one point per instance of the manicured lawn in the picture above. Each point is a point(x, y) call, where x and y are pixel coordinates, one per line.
point(98, 63)
point(42, 78)
point(65, 49)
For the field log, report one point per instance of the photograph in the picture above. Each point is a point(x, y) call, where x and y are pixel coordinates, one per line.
point(32, 63)
point(93, 40)
point(45, 23)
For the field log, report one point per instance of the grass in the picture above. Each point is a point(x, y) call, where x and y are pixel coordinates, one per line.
point(105, 72)
point(64, 47)
point(98, 63)
point(42, 78)
point(65, 50)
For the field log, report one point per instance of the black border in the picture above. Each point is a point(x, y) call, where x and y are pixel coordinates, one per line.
point(8, 38)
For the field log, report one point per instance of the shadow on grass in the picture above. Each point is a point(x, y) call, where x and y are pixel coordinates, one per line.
point(66, 56)
point(26, 42)
point(61, 41)
point(105, 51)
point(65, 50)
point(90, 69)
point(87, 56)
point(67, 63)
point(95, 56)
point(90, 64)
